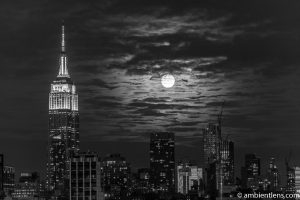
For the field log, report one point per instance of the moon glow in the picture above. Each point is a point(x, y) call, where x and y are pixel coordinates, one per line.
point(167, 80)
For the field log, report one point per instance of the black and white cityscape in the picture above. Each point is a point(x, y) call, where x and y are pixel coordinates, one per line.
point(149, 100)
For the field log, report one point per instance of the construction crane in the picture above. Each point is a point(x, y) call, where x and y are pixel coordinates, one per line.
point(221, 114)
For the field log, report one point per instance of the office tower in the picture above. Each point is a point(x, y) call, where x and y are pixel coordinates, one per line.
point(115, 171)
point(297, 179)
point(1, 176)
point(290, 186)
point(251, 172)
point(188, 178)
point(8, 180)
point(27, 187)
point(211, 142)
point(227, 162)
point(273, 175)
point(84, 177)
point(162, 161)
point(211, 151)
point(63, 139)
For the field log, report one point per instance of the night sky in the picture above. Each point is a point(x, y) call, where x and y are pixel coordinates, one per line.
point(246, 53)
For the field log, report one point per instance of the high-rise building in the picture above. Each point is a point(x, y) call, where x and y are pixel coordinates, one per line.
point(63, 139)
point(162, 161)
point(273, 175)
point(85, 177)
point(227, 162)
point(297, 179)
point(115, 176)
point(188, 178)
point(211, 150)
point(251, 172)
point(211, 142)
point(28, 187)
point(8, 180)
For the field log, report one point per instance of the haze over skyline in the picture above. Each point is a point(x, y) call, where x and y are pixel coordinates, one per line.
point(244, 53)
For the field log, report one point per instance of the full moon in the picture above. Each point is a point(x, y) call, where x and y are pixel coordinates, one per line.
point(167, 80)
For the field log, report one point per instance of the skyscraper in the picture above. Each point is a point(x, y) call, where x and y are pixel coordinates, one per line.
point(63, 139)
point(84, 177)
point(227, 162)
point(211, 142)
point(162, 161)
point(211, 149)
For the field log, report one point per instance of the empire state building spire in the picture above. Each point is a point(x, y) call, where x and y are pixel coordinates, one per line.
point(63, 70)
point(63, 128)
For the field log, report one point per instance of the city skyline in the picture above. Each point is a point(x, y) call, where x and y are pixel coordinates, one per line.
point(117, 56)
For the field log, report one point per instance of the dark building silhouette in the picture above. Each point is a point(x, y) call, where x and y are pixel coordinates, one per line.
point(162, 161)
point(115, 171)
point(63, 125)
point(273, 176)
point(85, 177)
point(8, 180)
point(251, 172)
point(212, 165)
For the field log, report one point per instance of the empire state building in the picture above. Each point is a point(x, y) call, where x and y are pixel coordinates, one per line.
point(63, 139)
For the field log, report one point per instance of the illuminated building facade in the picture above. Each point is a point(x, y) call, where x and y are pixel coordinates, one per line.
point(85, 177)
point(162, 161)
point(63, 124)
point(188, 178)
point(8, 180)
